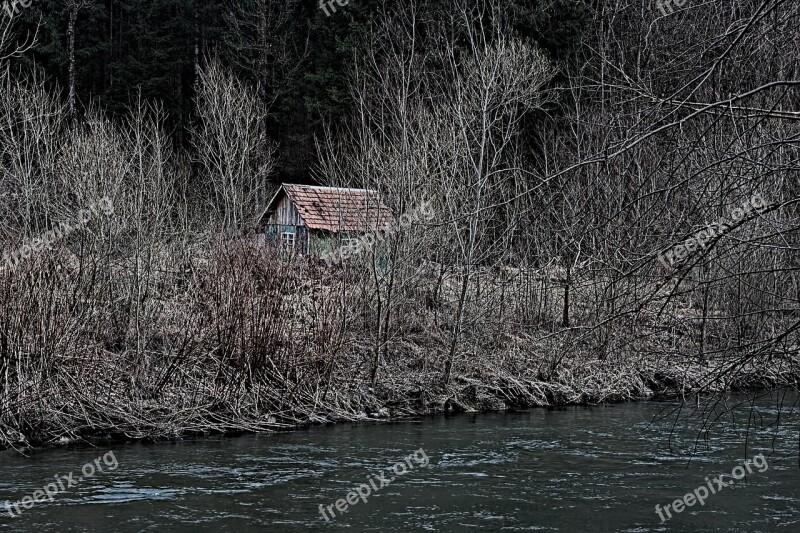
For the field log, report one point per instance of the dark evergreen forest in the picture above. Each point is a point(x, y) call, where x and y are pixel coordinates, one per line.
point(298, 57)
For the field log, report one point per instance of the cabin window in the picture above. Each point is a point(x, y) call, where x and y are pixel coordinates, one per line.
point(287, 239)
point(349, 242)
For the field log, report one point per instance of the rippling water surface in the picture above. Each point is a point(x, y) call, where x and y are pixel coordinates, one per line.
point(573, 469)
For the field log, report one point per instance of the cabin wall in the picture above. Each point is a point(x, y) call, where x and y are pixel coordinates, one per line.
point(286, 219)
point(286, 214)
point(321, 243)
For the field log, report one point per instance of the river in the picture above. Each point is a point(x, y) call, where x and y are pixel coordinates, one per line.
point(602, 468)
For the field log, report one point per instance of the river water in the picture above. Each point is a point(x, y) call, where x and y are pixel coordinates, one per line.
point(572, 469)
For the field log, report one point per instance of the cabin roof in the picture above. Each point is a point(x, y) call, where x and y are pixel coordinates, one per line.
point(336, 208)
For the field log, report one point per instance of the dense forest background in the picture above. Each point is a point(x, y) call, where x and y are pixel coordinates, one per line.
point(298, 57)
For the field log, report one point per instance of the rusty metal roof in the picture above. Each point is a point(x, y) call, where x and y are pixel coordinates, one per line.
point(338, 209)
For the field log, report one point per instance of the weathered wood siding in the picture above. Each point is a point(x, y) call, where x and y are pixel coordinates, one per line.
point(286, 214)
point(286, 219)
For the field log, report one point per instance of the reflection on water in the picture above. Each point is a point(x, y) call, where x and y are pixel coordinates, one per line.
point(573, 469)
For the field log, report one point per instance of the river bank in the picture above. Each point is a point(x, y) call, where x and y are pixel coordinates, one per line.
point(404, 394)
point(592, 468)
point(234, 338)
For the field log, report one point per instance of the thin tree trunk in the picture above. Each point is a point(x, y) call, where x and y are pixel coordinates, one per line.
point(448, 369)
point(73, 15)
point(565, 315)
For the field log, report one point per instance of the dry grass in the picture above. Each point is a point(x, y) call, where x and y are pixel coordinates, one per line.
point(232, 338)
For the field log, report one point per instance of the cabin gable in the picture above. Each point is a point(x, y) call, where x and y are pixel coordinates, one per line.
point(286, 214)
point(286, 227)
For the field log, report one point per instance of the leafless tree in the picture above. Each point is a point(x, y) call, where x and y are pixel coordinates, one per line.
point(230, 148)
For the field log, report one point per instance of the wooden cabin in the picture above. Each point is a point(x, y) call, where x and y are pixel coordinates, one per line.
point(313, 220)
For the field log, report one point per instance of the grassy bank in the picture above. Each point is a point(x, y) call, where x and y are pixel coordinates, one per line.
point(231, 337)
